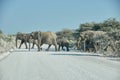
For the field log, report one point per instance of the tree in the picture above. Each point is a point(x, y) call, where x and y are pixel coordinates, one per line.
point(96, 27)
point(110, 24)
point(86, 26)
point(66, 33)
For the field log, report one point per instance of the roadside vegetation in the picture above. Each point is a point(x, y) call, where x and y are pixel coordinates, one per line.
point(7, 42)
point(107, 43)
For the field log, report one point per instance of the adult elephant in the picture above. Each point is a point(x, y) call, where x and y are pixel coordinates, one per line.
point(24, 38)
point(91, 40)
point(63, 42)
point(44, 38)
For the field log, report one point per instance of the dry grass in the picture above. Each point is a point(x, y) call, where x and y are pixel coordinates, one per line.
point(7, 42)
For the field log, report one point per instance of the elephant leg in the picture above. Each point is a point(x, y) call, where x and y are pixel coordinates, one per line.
point(33, 45)
point(29, 45)
point(56, 48)
point(59, 47)
point(16, 43)
point(67, 47)
point(48, 47)
point(21, 43)
point(39, 47)
point(26, 45)
point(63, 48)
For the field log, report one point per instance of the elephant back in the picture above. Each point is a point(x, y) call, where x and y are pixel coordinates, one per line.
point(48, 37)
point(20, 36)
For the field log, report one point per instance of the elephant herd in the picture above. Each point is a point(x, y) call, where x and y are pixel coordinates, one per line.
point(39, 38)
point(88, 41)
point(99, 41)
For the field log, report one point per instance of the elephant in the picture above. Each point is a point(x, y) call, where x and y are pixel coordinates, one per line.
point(90, 47)
point(91, 39)
point(44, 38)
point(24, 38)
point(62, 42)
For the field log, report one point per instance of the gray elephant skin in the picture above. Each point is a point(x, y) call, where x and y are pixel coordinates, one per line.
point(63, 42)
point(24, 38)
point(44, 38)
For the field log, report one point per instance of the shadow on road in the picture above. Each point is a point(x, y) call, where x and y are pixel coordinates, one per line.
point(72, 54)
point(24, 50)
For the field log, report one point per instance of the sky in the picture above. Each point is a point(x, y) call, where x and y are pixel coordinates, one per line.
point(54, 15)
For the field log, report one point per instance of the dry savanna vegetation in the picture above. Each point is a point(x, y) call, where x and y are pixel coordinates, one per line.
point(102, 38)
point(7, 42)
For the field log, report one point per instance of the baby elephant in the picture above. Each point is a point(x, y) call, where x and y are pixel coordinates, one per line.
point(63, 42)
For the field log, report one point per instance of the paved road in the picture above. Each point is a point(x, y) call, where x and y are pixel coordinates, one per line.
point(24, 65)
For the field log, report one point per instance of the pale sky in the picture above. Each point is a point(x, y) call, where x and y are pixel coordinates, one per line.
point(54, 15)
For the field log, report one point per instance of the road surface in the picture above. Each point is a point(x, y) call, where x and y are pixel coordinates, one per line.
point(24, 65)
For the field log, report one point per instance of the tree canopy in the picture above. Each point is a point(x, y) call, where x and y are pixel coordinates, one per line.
point(66, 33)
point(108, 25)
